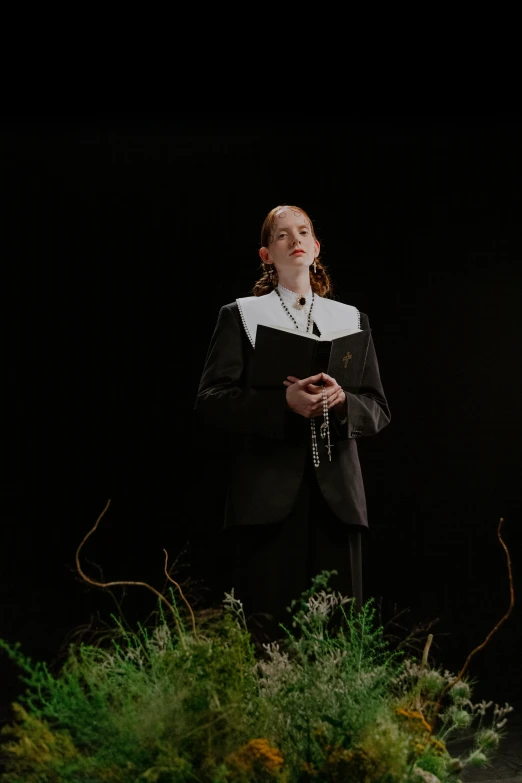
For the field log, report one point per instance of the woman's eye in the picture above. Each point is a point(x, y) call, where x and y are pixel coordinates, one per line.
point(304, 231)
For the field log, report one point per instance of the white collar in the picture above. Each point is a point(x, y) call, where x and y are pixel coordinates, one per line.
point(291, 296)
point(328, 314)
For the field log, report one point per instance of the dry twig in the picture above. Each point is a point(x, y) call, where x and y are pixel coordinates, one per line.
point(119, 582)
point(426, 651)
point(181, 593)
point(502, 620)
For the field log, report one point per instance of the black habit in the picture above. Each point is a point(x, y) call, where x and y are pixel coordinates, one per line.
point(285, 519)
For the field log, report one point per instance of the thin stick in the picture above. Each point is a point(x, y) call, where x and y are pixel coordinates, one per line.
point(180, 592)
point(503, 619)
point(426, 651)
point(113, 584)
point(424, 663)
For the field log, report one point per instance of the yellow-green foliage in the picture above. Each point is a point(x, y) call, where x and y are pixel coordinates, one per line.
point(256, 760)
point(35, 752)
point(167, 705)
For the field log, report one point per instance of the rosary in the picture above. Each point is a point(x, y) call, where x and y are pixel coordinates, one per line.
point(324, 429)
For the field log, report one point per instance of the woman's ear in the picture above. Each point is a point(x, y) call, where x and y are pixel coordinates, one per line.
point(263, 255)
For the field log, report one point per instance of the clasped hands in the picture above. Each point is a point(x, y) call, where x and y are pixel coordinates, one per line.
point(304, 396)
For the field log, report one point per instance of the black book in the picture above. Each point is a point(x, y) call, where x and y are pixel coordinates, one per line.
point(280, 352)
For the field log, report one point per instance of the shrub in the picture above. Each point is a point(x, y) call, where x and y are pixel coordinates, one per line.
point(168, 703)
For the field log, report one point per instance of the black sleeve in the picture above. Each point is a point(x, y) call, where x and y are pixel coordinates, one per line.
point(367, 412)
point(224, 399)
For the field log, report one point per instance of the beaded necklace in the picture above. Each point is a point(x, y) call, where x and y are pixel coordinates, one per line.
point(325, 426)
point(287, 311)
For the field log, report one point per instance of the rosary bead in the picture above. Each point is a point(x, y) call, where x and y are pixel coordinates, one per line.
point(325, 426)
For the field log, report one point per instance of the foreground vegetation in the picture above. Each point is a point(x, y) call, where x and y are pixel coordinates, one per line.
point(322, 705)
point(190, 699)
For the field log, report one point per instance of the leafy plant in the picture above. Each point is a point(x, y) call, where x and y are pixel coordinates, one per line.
point(189, 699)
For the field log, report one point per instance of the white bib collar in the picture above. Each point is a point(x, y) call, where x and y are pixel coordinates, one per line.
point(328, 314)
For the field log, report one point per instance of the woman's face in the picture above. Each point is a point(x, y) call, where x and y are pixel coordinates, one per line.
point(291, 244)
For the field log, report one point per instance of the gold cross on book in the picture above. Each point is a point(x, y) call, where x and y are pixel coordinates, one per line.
point(346, 359)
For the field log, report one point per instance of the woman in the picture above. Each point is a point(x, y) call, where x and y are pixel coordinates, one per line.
point(292, 509)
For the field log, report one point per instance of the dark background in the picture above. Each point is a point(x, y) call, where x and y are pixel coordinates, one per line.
point(122, 235)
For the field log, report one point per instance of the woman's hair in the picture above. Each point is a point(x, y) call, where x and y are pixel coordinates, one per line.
point(319, 281)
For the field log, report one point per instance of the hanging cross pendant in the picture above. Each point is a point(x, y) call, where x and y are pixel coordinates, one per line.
point(323, 429)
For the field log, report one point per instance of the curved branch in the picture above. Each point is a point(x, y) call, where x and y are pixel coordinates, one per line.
point(502, 620)
point(181, 593)
point(119, 582)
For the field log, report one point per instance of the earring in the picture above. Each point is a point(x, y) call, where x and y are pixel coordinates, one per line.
point(315, 267)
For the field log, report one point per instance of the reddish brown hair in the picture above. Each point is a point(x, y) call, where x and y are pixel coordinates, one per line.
point(319, 281)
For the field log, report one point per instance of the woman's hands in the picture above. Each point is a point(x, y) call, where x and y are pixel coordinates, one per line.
point(305, 396)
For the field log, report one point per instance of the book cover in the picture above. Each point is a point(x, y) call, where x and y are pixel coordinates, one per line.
point(281, 352)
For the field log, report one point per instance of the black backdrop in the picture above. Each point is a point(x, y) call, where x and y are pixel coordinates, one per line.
point(122, 235)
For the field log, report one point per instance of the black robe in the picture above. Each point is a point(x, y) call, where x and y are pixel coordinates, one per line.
point(285, 520)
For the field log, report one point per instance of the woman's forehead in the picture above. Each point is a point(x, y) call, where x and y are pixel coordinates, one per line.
point(290, 216)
